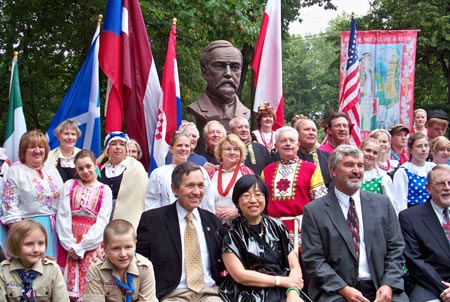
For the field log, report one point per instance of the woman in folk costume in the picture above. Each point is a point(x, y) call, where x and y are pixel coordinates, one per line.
point(375, 179)
point(292, 183)
point(126, 177)
point(265, 119)
point(410, 179)
point(32, 190)
point(82, 216)
point(385, 162)
point(230, 153)
point(62, 157)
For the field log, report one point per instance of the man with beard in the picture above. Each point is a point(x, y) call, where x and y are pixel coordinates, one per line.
point(338, 130)
point(352, 243)
point(220, 64)
point(426, 230)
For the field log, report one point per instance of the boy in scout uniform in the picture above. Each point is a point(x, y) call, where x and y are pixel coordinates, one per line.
point(123, 275)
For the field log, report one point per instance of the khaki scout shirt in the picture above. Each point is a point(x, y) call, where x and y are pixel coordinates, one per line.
point(100, 285)
point(49, 284)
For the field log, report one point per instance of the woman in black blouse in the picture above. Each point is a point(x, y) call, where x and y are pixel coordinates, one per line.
point(261, 263)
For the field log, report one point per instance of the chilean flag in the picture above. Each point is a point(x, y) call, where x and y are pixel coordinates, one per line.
point(267, 62)
point(169, 110)
point(126, 58)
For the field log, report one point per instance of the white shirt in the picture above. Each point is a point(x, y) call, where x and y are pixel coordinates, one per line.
point(439, 212)
point(159, 190)
point(344, 202)
point(401, 182)
point(209, 281)
point(387, 187)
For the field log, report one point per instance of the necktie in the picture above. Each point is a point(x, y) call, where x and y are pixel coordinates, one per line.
point(446, 224)
point(28, 293)
point(128, 288)
point(192, 257)
point(251, 153)
point(353, 226)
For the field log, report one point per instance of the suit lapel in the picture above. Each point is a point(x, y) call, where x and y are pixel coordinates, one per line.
point(433, 224)
point(173, 227)
point(208, 230)
point(367, 208)
point(334, 211)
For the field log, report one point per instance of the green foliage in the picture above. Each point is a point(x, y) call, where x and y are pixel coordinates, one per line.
point(53, 37)
point(431, 17)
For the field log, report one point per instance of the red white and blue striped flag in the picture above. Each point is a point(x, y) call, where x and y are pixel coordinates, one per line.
point(349, 99)
point(169, 110)
point(126, 58)
point(267, 63)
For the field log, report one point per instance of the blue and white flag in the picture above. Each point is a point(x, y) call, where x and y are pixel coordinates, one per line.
point(82, 103)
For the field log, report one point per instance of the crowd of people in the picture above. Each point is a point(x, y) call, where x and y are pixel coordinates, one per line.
point(234, 215)
point(292, 222)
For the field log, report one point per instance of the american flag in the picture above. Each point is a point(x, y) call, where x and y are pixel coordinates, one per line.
point(349, 100)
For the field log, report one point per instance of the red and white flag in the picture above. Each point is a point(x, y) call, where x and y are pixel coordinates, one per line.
point(126, 58)
point(349, 99)
point(267, 64)
point(169, 110)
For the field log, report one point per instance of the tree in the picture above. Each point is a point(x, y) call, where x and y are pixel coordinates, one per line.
point(432, 84)
point(53, 38)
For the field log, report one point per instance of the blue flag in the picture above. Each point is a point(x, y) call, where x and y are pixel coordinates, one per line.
point(82, 104)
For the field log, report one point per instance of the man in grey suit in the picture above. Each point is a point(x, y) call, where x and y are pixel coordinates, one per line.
point(352, 243)
point(427, 249)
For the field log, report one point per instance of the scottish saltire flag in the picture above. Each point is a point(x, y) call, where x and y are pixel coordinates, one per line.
point(169, 110)
point(82, 103)
point(126, 58)
point(349, 98)
point(15, 122)
point(267, 63)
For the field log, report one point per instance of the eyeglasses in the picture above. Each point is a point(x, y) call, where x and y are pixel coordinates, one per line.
point(441, 184)
point(248, 196)
point(338, 126)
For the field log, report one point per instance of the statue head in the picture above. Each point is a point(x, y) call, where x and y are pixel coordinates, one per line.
point(221, 65)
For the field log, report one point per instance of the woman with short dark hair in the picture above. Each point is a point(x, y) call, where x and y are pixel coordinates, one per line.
point(256, 251)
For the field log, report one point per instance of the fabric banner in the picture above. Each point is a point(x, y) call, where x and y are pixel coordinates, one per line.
point(386, 67)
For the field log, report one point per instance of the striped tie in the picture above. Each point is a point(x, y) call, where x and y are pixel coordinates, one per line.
point(446, 224)
point(353, 226)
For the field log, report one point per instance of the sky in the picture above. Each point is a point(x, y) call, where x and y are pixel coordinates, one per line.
point(315, 18)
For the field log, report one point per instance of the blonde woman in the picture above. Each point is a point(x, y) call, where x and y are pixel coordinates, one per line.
point(230, 153)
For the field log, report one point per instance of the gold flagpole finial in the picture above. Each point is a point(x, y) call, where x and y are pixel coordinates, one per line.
point(99, 19)
point(353, 14)
point(174, 21)
point(16, 54)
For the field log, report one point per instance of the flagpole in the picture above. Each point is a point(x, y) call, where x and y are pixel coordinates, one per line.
point(99, 20)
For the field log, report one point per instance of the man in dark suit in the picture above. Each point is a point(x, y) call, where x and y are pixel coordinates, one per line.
point(257, 155)
point(352, 243)
point(161, 237)
point(427, 249)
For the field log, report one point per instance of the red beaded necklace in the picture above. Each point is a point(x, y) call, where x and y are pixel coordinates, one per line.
point(383, 167)
point(231, 183)
point(268, 145)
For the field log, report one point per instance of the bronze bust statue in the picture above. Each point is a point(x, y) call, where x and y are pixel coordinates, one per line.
point(220, 64)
